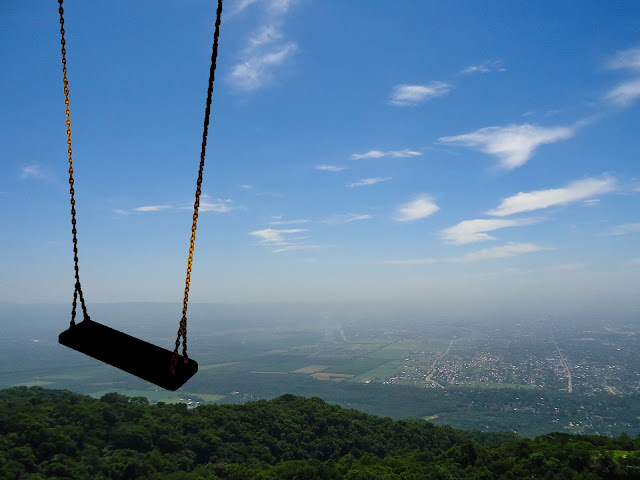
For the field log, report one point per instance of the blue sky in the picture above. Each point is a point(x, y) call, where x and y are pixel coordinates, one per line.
point(455, 154)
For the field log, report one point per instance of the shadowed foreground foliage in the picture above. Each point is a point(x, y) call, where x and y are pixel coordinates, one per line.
point(48, 434)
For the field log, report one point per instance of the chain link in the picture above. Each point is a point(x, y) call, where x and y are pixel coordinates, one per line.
point(182, 330)
point(78, 289)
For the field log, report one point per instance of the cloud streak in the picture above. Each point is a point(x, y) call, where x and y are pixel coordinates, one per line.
point(514, 145)
point(420, 207)
point(406, 153)
point(266, 49)
point(368, 181)
point(347, 218)
point(35, 170)
point(330, 168)
point(151, 208)
point(472, 231)
point(540, 199)
point(485, 67)
point(272, 236)
point(410, 95)
point(511, 249)
point(626, 93)
point(625, 229)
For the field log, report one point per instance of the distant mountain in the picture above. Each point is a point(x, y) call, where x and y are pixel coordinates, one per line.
point(47, 434)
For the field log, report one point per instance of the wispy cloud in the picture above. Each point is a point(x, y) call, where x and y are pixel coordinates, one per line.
point(420, 207)
point(283, 239)
point(635, 261)
point(347, 218)
point(472, 231)
point(625, 229)
point(539, 199)
point(242, 5)
point(272, 6)
point(266, 48)
point(626, 92)
point(409, 95)
point(246, 186)
point(509, 250)
point(485, 67)
point(514, 144)
point(272, 236)
point(36, 171)
point(151, 208)
point(330, 168)
point(257, 70)
point(289, 222)
point(368, 181)
point(289, 248)
point(389, 153)
point(206, 205)
point(217, 206)
point(626, 60)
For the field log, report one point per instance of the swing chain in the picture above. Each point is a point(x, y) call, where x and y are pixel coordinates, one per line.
point(182, 331)
point(77, 289)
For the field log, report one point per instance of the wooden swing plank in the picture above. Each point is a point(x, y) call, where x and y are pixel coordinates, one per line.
point(135, 356)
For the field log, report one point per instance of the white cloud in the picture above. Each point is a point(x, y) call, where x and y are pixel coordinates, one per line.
point(219, 206)
point(514, 144)
point(289, 222)
point(409, 95)
point(485, 67)
point(151, 208)
point(266, 48)
point(281, 6)
point(347, 218)
point(627, 92)
point(471, 231)
point(635, 261)
point(329, 168)
point(245, 186)
point(509, 250)
point(367, 181)
point(390, 153)
point(625, 228)
point(538, 199)
point(241, 6)
point(420, 207)
point(289, 248)
point(265, 35)
point(257, 70)
point(626, 60)
point(503, 251)
point(273, 236)
point(624, 94)
point(36, 171)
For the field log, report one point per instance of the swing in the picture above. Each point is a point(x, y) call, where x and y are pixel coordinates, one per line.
point(157, 365)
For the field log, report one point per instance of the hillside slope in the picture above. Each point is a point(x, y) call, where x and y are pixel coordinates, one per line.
point(58, 434)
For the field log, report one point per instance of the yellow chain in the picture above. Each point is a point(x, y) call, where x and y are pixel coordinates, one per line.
point(182, 331)
point(78, 289)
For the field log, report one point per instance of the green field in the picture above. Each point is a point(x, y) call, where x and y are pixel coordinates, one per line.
point(380, 373)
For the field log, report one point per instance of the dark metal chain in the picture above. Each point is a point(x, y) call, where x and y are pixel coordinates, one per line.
point(182, 331)
point(78, 289)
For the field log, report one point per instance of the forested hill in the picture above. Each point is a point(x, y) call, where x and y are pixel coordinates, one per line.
point(46, 434)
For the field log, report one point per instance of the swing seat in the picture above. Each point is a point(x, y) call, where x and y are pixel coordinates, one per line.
point(135, 356)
